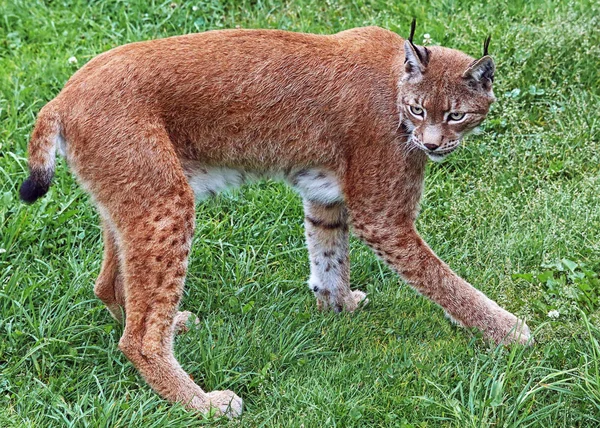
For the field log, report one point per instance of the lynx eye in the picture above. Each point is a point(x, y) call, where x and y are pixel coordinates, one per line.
point(456, 116)
point(417, 111)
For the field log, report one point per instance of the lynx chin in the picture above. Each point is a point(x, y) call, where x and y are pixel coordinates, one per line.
point(349, 120)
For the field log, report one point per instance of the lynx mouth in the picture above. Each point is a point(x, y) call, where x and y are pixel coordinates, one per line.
point(435, 155)
point(438, 155)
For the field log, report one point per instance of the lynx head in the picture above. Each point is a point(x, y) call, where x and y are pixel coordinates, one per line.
point(444, 94)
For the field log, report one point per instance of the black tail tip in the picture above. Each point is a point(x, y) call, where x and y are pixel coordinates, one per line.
point(34, 187)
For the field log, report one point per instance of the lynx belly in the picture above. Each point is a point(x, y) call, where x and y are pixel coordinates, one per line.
point(314, 184)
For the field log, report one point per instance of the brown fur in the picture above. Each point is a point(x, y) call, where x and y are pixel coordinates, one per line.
point(140, 120)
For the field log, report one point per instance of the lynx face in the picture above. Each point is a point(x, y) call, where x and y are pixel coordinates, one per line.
point(445, 95)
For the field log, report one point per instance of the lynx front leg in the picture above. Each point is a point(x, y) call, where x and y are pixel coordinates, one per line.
point(382, 195)
point(327, 240)
point(421, 268)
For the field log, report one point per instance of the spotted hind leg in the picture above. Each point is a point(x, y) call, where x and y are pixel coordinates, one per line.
point(109, 284)
point(155, 239)
point(327, 240)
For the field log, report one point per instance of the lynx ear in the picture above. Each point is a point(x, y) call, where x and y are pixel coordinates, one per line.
point(416, 59)
point(482, 72)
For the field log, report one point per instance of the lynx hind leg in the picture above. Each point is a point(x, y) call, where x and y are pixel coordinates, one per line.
point(327, 240)
point(109, 285)
point(154, 221)
point(156, 240)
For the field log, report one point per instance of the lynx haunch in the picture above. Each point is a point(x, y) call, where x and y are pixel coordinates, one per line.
point(348, 120)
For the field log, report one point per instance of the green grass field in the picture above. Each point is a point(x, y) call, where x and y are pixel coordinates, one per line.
point(516, 212)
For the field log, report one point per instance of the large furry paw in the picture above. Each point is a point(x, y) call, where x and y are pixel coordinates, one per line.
point(508, 329)
point(181, 321)
point(226, 402)
point(519, 333)
point(349, 303)
point(360, 298)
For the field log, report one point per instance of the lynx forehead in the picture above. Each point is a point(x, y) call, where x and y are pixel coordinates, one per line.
point(347, 119)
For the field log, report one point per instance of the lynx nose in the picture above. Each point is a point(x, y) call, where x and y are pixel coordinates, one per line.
point(430, 146)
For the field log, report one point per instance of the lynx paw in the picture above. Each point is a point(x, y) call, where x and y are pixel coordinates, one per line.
point(519, 333)
point(350, 302)
point(181, 321)
point(360, 299)
point(226, 402)
point(508, 329)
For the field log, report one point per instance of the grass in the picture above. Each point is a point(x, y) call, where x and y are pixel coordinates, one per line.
point(516, 212)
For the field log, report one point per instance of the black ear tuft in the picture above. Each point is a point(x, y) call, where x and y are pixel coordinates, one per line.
point(486, 45)
point(413, 25)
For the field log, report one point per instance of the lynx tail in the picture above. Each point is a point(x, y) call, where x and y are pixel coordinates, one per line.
point(42, 154)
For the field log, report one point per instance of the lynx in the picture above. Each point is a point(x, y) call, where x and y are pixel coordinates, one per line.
point(349, 120)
